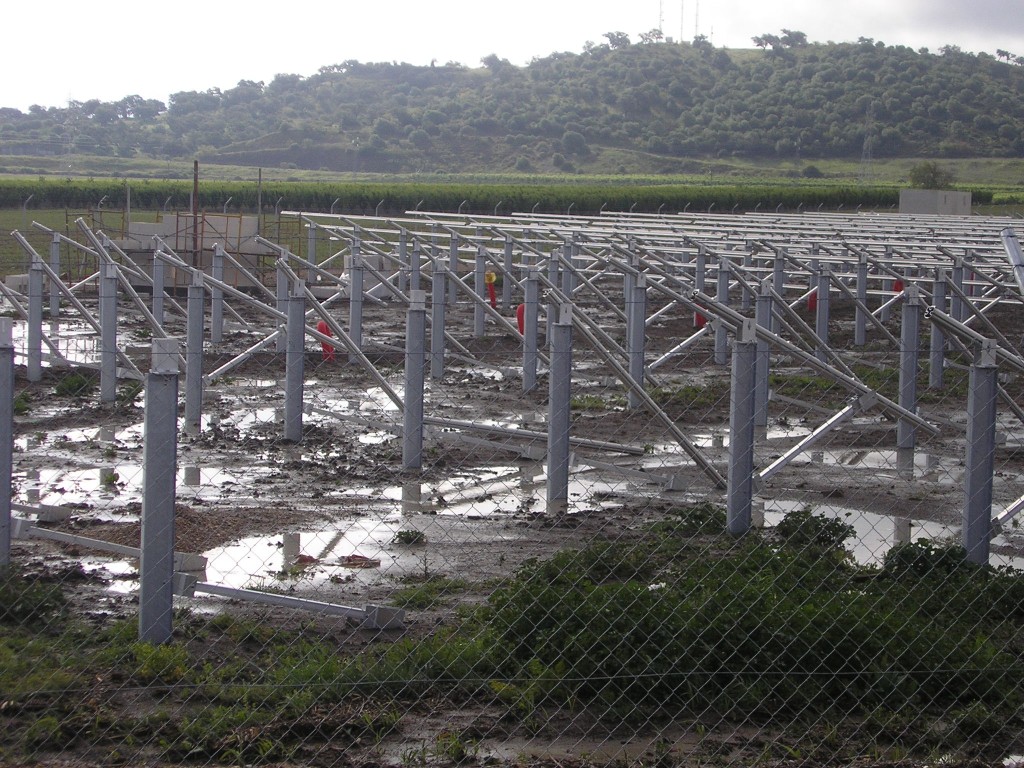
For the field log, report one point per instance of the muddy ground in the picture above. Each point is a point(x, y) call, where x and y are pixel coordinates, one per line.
point(301, 518)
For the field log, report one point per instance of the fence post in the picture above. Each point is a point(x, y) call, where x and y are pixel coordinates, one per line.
point(740, 494)
point(295, 360)
point(355, 300)
point(217, 296)
point(34, 331)
point(559, 410)
point(437, 309)
point(531, 308)
point(194, 355)
point(937, 341)
point(415, 363)
point(159, 470)
point(6, 436)
point(980, 460)
point(108, 333)
point(55, 266)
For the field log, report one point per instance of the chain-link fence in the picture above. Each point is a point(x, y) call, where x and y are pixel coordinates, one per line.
point(658, 490)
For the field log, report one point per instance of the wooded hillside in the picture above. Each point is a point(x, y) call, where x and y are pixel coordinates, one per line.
point(616, 107)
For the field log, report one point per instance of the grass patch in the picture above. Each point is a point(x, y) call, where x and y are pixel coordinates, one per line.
point(428, 593)
point(673, 619)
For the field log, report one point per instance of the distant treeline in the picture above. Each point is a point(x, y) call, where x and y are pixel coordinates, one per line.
point(392, 199)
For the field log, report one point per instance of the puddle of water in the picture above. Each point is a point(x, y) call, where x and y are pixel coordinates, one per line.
point(264, 561)
point(874, 535)
point(925, 465)
point(120, 484)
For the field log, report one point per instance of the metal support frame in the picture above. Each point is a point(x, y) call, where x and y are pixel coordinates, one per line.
point(559, 411)
point(295, 362)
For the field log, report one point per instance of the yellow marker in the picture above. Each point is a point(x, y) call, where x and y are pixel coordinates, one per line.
point(489, 277)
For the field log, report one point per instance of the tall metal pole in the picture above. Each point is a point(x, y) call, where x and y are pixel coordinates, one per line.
point(559, 389)
point(636, 316)
point(415, 365)
point(159, 470)
point(295, 360)
point(980, 461)
point(194, 355)
point(860, 328)
point(906, 432)
point(437, 308)
point(34, 331)
point(355, 300)
point(531, 308)
point(108, 335)
point(217, 296)
point(937, 341)
point(55, 267)
point(763, 317)
point(740, 492)
point(821, 316)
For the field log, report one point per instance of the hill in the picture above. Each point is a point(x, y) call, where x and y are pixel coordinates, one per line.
point(650, 107)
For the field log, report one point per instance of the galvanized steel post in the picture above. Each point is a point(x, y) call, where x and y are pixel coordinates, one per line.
point(55, 268)
point(821, 316)
point(415, 365)
point(194, 355)
point(860, 328)
point(763, 317)
point(437, 309)
point(34, 331)
point(355, 300)
point(937, 342)
point(295, 362)
point(559, 410)
point(531, 308)
point(636, 317)
point(480, 287)
point(980, 461)
point(740, 492)
point(159, 470)
point(159, 280)
point(108, 333)
point(281, 294)
point(217, 296)
point(506, 283)
point(722, 296)
point(906, 432)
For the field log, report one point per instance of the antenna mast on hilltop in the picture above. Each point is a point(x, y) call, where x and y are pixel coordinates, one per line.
point(682, 20)
point(696, 21)
point(661, 15)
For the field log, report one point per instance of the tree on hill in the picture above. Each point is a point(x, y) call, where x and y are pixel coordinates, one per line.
point(931, 175)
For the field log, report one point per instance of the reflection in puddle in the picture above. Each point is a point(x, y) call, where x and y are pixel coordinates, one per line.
point(874, 535)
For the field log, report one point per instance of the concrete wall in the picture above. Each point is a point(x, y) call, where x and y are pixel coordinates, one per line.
point(942, 202)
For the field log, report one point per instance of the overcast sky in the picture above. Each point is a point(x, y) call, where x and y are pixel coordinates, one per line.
point(57, 51)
